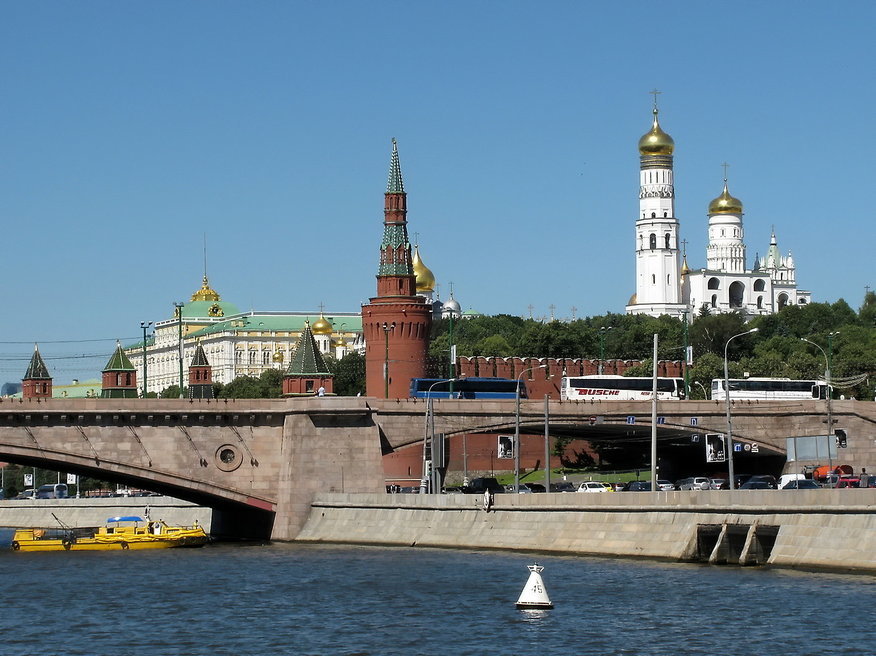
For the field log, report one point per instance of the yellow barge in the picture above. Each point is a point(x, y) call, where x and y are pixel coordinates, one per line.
point(128, 532)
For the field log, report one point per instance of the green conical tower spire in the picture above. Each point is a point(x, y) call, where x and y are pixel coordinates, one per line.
point(37, 369)
point(395, 184)
point(119, 361)
point(307, 359)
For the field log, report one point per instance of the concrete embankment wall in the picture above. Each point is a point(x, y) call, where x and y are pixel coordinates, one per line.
point(830, 529)
point(38, 513)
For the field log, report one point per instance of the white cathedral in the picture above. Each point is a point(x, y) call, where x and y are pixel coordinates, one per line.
point(664, 282)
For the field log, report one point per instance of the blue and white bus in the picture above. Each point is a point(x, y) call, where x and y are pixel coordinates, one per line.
point(620, 388)
point(467, 388)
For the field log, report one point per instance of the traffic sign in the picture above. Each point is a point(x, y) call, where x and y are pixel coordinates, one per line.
point(694, 421)
point(631, 419)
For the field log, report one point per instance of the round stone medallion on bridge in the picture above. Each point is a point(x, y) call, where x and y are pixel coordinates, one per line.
point(228, 457)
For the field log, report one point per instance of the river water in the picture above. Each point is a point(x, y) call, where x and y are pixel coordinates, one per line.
point(305, 599)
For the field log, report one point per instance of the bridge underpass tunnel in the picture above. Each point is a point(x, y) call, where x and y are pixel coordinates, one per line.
point(605, 447)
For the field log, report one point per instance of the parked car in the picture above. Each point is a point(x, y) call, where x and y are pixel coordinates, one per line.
point(784, 479)
point(764, 478)
point(847, 482)
point(638, 486)
point(720, 484)
point(694, 483)
point(592, 486)
point(663, 485)
point(563, 486)
point(29, 493)
point(756, 485)
point(802, 484)
point(534, 487)
point(481, 485)
point(523, 489)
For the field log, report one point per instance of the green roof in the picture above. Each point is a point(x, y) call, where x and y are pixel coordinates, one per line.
point(200, 359)
point(307, 360)
point(395, 185)
point(208, 309)
point(37, 369)
point(119, 361)
point(278, 323)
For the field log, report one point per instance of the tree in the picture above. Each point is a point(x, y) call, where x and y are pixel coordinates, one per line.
point(172, 392)
point(349, 374)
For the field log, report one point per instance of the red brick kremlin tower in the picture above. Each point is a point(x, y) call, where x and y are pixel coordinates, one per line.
point(396, 322)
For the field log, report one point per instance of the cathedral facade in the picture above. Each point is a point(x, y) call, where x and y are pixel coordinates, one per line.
point(665, 284)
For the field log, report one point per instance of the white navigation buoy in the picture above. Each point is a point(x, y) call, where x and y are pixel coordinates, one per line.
point(534, 595)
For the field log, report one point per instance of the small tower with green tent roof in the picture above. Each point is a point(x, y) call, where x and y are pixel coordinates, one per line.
point(200, 375)
point(119, 377)
point(37, 383)
point(307, 373)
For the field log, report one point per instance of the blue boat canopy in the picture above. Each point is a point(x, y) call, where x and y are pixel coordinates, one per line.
point(130, 518)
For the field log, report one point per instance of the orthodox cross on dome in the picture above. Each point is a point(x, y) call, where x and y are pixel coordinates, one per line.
point(684, 247)
point(531, 308)
point(574, 310)
point(866, 290)
point(417, 239)
point(552, 307)
point(725, 166)
point(321, 308)
point(655, 93)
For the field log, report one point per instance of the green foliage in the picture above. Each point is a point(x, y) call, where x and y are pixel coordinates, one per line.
point(172, 392)
point(776, 350)
point(349, 374)
point(267, 386)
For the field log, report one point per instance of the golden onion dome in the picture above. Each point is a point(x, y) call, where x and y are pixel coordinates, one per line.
point(321, 326)
point(205, 293)
point(656, 141)
point(685, 269)
point(424, 276)
point(725, 203)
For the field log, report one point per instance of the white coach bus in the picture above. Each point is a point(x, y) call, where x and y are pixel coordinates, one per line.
point(619, 388)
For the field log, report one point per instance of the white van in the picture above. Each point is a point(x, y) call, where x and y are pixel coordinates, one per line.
point(52, 491)
point(784, 479)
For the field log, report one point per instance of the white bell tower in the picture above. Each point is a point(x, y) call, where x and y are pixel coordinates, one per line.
point(658, 284)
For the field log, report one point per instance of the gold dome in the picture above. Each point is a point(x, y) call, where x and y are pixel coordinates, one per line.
point(205, 293)
point(685, 269)
point(321, 326)
point(725, 203)
point(656, 142)
point(425, 277)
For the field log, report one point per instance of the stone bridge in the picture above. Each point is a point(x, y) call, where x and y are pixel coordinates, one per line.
point(258, 462)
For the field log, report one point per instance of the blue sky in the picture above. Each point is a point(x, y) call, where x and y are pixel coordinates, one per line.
point(128, 131)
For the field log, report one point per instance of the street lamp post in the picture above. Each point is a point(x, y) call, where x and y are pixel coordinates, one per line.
point(428, 444)
point(387, 328)
point(729, 441)
point(705, 393)
point(828, 392)
point(602, 332)
point(179, 315)
point(517, 427)
point(145, 326)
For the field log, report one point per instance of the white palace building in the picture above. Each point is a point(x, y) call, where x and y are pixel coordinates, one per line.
point(664, 282)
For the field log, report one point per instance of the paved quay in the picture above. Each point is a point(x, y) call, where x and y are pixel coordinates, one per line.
point(811, 529)
point(41, 513)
